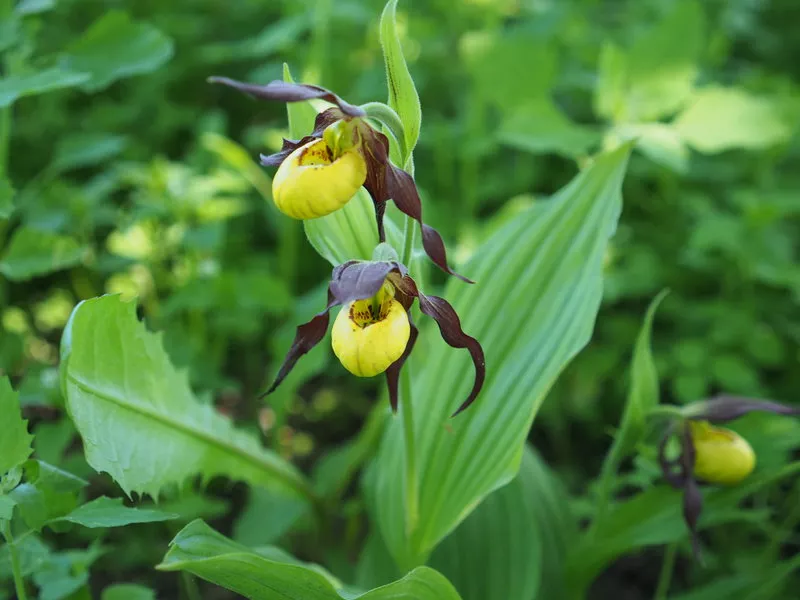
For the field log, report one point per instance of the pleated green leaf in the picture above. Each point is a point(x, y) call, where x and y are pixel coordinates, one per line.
point(274, 575)
point(533, 308)
point(403, 96)
point(516, 538)
point(137, 416)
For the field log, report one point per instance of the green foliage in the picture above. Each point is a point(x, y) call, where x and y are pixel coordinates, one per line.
point(166, 434)
point(123, 172)
point(271, 574)
point(538, 329)
point(15, 443)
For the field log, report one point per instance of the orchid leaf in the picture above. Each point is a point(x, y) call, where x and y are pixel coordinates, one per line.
point(533, 308)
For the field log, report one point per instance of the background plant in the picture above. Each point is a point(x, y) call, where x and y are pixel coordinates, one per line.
point(121, 174)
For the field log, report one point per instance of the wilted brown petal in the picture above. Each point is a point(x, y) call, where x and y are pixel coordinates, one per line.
point(450, 327)
point(401, 188)
point(393, 372)
point(283, 91)
point(727, 408)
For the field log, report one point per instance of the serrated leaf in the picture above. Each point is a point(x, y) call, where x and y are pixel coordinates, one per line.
point(15, 441)
point(32, 253)
point(115, 46)
point(533, 308)
point(110, 512)
point(207, 554)
point(14, 87)
point(403, 96)
point(512, 541)
point(719, 119)
point(127, 591)
point(6, 199)
point(48, 493)
point(150, 432)
point(538, 126)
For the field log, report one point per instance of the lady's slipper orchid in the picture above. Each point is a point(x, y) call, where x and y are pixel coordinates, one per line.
point(373, 332)
point(347, 153)
point(709, 454)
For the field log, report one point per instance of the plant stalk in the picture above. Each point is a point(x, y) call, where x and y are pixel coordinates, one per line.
point(409, 437)
point(667, 569)
point(16, 570)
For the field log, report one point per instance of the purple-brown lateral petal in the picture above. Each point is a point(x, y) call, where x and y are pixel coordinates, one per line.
point(692, 498)
point(728, 408)
point(283, 91)
point(401, 188)
point(669, 467)
point(393, 372)
point(308, 335)
point(289, 146)
point(446, 317)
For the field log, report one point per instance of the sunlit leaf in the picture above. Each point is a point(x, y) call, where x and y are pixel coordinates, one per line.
point(150, 432)
point(115, 46)
point(273, 575)
point(31, 253)
point(38, 82)
point(110, 512)
point(533, 308)
point(7, 504)
point(719, 119)
point(34, 7)
point(15, 441)
point(403, 96)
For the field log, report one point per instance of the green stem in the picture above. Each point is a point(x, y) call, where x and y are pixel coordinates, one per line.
point(386, 115)
point(190, 589)
point(667, 568)
point(412, 476)
point(606, 483)
point(16, 570)
point(408, 241)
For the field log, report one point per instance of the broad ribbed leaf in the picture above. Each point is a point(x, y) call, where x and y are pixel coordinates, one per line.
point(6, 199)
point(114, 47)
point(533, 308)
point(512, 541)
point(403, 96)
point(15, 441)
point(273, 575)
point(31, 253)
point(137, 415)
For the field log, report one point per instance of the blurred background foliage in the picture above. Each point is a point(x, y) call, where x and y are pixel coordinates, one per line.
point(143, 179)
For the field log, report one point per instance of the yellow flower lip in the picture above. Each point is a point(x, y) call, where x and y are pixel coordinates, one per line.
point(722, 456)
point(368, 336)
point(312, 183)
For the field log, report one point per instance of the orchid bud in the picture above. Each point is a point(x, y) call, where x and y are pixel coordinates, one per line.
point(315, 180)
point(369, 335)
point(722, 456)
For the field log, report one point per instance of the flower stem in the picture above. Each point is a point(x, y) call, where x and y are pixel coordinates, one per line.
point(408, 241)
point(412, 476)
point(16, 570)
point(667, 568)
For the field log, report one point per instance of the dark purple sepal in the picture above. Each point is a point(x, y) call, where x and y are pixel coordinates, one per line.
point(321, 123)
point(283, 91)
point(450, 327)
point(728, 408)
point(692, 498)
point(393, 372)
